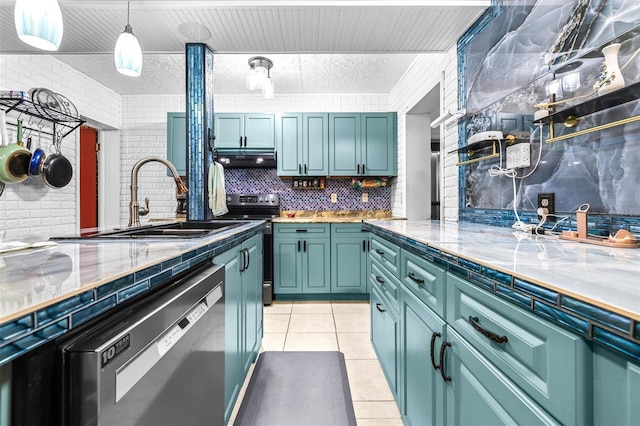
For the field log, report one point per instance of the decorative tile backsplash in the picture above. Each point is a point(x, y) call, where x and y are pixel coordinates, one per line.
point(240, 181)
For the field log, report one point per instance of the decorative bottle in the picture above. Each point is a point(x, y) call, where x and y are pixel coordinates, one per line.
point(611, 77)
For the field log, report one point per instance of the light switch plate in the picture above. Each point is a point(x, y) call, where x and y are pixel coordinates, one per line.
point(334, 198)
point(365, 197)
point(518, 156)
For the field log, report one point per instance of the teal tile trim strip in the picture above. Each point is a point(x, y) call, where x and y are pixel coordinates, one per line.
point(30, 331)
point(615, 331)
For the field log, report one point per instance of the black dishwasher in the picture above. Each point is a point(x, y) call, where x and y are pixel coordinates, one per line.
point(159, 363)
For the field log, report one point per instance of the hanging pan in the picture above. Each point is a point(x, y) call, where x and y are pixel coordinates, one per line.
point(56, 169)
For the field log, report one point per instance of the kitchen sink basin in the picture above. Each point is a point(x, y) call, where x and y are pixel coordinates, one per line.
point(173, 230)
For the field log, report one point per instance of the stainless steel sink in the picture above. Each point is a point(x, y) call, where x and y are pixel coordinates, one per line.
point(173, 230)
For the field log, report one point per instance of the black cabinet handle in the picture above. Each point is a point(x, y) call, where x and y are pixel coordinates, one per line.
point(442, 349)
point(358, 168)
point(305, 169)
point(380, 252)
point(474, 321)
point(362, 168)
point(368, 245)
point(301, 230)
point(364, 245)
point(245, 141)
point(243, 261)
point(299, 169)
point(304, 245)
point(434, 336)
point(248, 259)
point(380, 280)
point(415, 279)
point(298, 245)
point(379, 308)
point(240, 141)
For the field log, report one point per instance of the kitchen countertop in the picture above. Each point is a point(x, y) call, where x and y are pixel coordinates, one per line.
point(48, 286)
point(605, 277)
point(330, 216)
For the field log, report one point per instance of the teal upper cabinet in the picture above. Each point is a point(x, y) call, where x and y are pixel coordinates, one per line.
point(249, 131)
point(362, 144)
point(177, 141)
point(303, 144)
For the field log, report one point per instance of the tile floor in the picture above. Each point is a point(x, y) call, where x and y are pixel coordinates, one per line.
point(334, 326)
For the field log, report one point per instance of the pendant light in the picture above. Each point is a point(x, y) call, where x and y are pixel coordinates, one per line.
point(268, 89)
point(39, 23)
point(259, 76)
point(127, 55)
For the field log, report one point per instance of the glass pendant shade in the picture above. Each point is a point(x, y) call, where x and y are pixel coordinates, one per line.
point(127, 55)
point(261, 76)
point(39, 23)
point(268, 89)
point(252, 81)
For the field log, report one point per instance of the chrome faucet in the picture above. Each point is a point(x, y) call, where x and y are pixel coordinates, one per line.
point(134, 207)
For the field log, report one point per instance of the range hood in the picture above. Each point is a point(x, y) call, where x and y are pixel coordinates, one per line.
point(242, 159)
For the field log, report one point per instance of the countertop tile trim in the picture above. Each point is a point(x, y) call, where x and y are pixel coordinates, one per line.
point(596, 324)
point(26, 333)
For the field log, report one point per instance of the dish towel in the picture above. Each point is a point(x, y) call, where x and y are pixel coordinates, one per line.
point(217, 193)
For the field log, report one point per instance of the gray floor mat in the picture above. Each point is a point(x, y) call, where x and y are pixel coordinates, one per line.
point(297, 388)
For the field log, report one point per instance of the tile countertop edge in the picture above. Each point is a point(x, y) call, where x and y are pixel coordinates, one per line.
point(26, 328)
point(590, 317)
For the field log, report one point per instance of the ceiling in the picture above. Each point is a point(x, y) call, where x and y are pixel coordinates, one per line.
point(317, 46)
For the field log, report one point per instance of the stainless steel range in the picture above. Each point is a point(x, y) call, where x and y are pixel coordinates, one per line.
point(258, 207)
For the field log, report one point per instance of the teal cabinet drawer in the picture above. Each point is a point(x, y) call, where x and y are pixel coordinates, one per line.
point(548, 363)
point(479, 394)
point(303, 230)
point(423, 279)
point(386, 254)
point(388, 285)
point(339, 229)
point(385, 328)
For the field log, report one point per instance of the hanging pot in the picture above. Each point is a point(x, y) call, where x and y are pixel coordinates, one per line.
point(14, 159)
point(37, 158)
point(56, 170)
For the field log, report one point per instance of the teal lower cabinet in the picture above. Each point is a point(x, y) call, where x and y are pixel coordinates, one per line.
point(385, 337)
point(456, 354)
point(423, 390)
point(616, 389)
point(301, 259)
point(349, 258)
point(243, 313)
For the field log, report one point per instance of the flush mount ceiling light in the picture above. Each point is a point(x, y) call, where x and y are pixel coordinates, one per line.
point(259, 76)
point(127, 55)
point(39, 23)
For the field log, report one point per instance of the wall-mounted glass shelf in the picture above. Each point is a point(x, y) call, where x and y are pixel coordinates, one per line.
point(471, 149)
point(599, 103)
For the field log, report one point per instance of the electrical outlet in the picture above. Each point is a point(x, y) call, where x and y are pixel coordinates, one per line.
point(334, 198)
point(365, 197)
point(547, 202)
point(518, 156)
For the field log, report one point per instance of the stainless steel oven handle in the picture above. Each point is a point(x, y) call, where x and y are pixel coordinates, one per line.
point(134, 370)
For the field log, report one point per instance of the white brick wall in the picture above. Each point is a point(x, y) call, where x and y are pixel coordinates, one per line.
point(421, 77)
point(32, 207)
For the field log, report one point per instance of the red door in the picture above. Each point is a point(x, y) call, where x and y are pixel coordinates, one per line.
point(88, 177)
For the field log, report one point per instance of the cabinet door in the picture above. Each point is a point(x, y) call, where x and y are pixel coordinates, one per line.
point(233, 377)
point(177, 141)
point(252, 300)
point(616, 386)
point(422, 387)
point(315, 144)
point(289, 144)
point(287, 266)
point(316, 265)
point(385, 329)
point(344, 144)
point(229, 129)
point(479, 394)
point(259, 131)
point(378, 156)
point(349, 264)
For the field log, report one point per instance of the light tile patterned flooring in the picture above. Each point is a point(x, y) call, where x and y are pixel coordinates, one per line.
point(334, 326)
